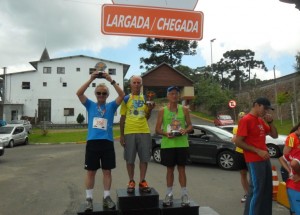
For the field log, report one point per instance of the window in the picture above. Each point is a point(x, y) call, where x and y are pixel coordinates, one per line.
point(60, 70)
point(68, 111)
point(44, 84)
point(92, 70)
point(77, 69)
point(93, 84)
point(25, 85)
point(64, 84)
point(47, 70)
point(112, 71)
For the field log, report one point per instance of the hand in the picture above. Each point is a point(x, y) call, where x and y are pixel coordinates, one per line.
point(169, 135)
point(94, 75)
point(268, 118)
point(264, 154)
point(122, 142)
point(107, 76)
point(183, 131)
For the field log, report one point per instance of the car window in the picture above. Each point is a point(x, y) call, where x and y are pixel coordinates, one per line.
point(197, 133)
point(6, 130)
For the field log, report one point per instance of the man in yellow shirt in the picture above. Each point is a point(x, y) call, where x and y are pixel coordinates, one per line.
point(135, 133)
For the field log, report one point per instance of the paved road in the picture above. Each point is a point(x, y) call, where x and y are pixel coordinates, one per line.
point(49, 180)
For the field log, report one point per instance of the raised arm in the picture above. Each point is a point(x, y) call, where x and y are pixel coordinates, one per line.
point(82, 89)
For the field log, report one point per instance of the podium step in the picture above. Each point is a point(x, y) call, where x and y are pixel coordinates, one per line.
point(177, 209)
point(98, 210)
point(137, 200)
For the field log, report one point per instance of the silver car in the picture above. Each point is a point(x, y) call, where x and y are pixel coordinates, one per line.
point(26, 124)
point(1, 148)
point(11, 135)
point(275, 146)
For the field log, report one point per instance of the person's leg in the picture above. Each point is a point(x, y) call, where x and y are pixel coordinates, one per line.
point(143, 170)
point(129, 155)
point(90, 179)
point(107, 180)
point(181, 175)
point(244, 180)
point(170, 177)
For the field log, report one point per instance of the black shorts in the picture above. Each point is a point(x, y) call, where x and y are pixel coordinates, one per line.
point(174, 156)
point(100, 154)
point(241, 163)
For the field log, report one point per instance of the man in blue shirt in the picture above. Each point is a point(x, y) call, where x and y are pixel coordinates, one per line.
point(100, 151)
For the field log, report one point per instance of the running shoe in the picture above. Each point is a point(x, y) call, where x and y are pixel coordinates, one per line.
point(244, 198)
point(168, 201)
point(143, 186)
point(108, 203)
point(185, 202)
point(131, 186)
point(89, 204)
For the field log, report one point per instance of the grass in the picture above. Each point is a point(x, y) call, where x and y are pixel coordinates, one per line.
point(79, 135)
point(62, 135)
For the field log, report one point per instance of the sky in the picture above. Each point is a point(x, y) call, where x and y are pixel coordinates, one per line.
point(270, 28)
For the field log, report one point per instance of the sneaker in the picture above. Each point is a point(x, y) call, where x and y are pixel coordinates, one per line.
point(185, 200)
point(108, 203)
point(89, 204)
point(168, 201)
point(131, 186)
point(244, 198)
point(143, 186)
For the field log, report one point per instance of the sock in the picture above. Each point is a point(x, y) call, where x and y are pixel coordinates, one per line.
point(89, 193)
point(169, 190)
point(106, 193)
point(184, 191)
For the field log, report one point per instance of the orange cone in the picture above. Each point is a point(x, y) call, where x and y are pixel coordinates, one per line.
point(275, 183)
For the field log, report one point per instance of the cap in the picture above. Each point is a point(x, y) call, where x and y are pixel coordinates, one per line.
point(265, 102)
point(241, 114)
point(173, 88)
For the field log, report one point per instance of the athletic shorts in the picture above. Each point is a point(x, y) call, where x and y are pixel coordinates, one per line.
point(241, 163)
point(174, 156)
point(100, 154)
point(137, 144)
point(294, 199)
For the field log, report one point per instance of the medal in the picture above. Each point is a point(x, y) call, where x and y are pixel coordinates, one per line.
point(101, 112)
point(135, 112)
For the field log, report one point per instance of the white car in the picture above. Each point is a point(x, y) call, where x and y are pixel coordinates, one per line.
point(11, 135)
point(275, 146)
point(26, 124)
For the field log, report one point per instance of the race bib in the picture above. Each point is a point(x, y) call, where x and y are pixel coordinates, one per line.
point(100, 123)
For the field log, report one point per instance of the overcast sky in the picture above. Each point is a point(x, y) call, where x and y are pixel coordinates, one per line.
point(270, 28)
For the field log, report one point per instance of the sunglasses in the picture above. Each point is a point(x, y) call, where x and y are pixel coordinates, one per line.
point(101, 93)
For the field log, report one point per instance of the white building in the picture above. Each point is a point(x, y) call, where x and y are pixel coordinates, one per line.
point(48, 93)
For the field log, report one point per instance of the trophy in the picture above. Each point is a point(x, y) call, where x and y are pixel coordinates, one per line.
point(100, 66)
point(175, 128)
point(150, 97)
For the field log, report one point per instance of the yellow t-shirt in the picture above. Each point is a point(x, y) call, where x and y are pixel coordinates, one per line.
point(135, 111)
point(234, 131)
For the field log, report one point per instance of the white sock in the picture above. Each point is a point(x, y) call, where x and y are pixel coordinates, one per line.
point(169, 190)
point(184, 191)
point(106, 193)
point(89, 193)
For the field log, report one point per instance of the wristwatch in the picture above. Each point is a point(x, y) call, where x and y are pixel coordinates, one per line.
point(113, 82)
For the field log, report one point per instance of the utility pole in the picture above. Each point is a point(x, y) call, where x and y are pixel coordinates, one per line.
point(275, 92)
point(211, 57)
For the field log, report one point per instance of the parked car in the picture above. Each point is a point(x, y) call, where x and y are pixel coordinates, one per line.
point(223, 120)
point(2, 122)
point(207, 144)
point(1, 148)
point(11, 135)
point(275, 146)
point(25, 123)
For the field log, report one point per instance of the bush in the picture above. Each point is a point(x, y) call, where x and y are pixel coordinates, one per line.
point(80, 118)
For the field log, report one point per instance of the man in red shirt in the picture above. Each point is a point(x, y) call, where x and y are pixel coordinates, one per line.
point(251, 137)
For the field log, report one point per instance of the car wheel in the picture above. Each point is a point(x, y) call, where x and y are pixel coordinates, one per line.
point(156, 155)
point(273, 150)
point(11, 144)
point(26, 141)
point(226, 160)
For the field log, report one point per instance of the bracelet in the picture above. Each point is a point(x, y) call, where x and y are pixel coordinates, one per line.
point(113, 82)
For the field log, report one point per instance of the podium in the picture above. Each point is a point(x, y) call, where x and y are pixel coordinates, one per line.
point(139, 203)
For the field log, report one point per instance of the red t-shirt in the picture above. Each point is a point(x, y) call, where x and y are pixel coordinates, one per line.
point(254, 129)
point(292, 141)
point(293, 155)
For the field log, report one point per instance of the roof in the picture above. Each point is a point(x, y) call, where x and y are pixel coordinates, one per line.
point(35, 63)
point(165, 64)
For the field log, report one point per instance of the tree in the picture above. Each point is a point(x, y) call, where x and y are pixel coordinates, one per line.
point(297, 66)
point(80, 118)
point(240, 63)
point(166, 50)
